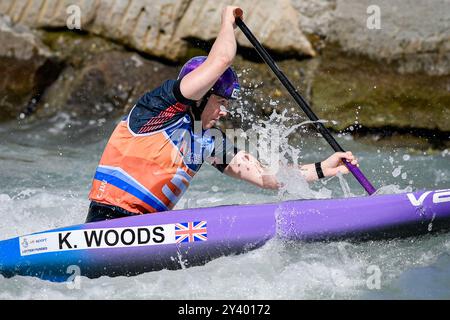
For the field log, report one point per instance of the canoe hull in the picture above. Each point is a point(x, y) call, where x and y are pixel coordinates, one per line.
point(179, 239)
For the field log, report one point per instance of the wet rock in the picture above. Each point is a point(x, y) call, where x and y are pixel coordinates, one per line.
point(352, 94)
point(414, 35)
point(27, 67)
point(160, 28)
point(101, 80)
point(145, 25)
point(353, 91)
point(415, 144)
point(275, 24)
point(315, 18)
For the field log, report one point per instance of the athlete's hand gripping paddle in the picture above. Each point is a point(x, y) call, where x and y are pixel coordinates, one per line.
point(238, 14)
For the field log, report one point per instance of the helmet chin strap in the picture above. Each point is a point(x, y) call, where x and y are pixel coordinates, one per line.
point(197, 111)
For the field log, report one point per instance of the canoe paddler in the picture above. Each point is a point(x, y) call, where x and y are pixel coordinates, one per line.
point(154, 152)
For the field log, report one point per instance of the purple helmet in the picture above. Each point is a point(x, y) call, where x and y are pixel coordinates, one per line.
point(227, 86)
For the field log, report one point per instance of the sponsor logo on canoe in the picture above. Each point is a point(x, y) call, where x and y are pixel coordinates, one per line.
point(113, 238)
point(439, 196)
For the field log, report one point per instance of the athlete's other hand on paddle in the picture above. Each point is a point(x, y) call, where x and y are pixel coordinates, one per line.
point(331, 167)
point(334, 164)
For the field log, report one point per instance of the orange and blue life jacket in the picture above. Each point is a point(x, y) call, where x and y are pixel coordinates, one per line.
point(154, 153)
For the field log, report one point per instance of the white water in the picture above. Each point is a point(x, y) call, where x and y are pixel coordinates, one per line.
point(46, 171)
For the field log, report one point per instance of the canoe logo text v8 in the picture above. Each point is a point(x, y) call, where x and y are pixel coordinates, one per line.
point(439, 196)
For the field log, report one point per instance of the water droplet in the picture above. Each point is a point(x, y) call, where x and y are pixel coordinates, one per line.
point(397, 172)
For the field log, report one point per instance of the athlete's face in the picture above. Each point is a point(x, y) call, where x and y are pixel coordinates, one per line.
point(215, 109)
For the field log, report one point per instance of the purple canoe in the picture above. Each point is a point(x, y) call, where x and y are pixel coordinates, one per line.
point(171, 240)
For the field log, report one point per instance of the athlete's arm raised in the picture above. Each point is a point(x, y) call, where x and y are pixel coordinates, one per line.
point(246, 167)
point(197, 83)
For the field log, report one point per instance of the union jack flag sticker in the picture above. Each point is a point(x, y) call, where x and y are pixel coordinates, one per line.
point(191, 232)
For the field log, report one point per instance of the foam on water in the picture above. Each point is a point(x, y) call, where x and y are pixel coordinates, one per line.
point(45, 182)
point(35, 210)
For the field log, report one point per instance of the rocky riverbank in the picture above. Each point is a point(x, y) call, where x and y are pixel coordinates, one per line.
point(412, 34)
point(393, 83)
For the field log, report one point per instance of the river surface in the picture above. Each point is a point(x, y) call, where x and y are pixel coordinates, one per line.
point(46, 171)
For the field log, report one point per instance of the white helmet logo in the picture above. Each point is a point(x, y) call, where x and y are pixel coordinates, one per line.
point(235, 93)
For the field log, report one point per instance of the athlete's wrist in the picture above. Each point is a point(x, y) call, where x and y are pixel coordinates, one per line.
point(308, 171)
point(228, 25)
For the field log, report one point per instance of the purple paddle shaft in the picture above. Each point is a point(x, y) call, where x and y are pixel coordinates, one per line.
point(361, 178)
